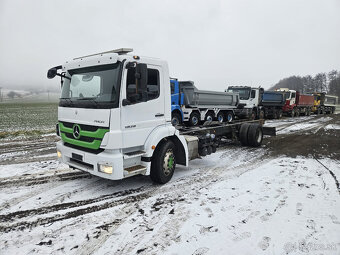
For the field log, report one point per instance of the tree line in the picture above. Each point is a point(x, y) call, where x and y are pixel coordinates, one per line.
point(321, 82)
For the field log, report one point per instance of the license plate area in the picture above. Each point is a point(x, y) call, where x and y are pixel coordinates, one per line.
point(77, 157)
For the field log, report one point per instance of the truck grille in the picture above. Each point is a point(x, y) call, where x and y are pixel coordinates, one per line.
point(82, 136)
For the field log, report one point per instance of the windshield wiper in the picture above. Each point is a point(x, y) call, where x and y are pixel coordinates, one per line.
point(90, 99)
point(67, 99)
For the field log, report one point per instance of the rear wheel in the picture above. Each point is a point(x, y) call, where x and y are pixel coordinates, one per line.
point(163, 163)
point(243, 134)
point(209, 117)
point(194, 119)
point(176, 119)
point(230, 117)
point(220, 117)
point(255, 135)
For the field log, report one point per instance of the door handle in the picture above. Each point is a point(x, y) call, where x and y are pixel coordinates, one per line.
point(159, 115)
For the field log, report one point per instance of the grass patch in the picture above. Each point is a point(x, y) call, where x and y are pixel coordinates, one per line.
point(27, 118)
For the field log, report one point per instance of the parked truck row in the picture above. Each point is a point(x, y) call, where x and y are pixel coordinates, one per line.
point(192, 106)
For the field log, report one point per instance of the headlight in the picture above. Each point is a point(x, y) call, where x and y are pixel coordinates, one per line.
point(59, 154)
point(106, 169)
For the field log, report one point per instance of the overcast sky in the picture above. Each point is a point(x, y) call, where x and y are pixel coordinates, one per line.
point(214, 43)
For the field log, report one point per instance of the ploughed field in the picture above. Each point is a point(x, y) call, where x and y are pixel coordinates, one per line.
point(282, 198)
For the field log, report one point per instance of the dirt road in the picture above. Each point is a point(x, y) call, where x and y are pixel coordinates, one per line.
point(263, 201)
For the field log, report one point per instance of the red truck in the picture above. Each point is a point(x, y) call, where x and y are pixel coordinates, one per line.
point(296, 103)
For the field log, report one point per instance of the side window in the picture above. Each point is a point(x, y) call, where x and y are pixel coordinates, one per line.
point(253, 93)
point(293, 95)
point(153, 85)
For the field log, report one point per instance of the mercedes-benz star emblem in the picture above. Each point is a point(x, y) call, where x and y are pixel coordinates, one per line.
point(76, 131)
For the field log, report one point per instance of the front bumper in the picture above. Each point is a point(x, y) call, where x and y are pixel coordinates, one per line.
point(90, 162)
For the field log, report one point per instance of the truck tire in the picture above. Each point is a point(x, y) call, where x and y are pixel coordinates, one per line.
point(297, 112)
point(255, 135)
point(229, 117)
point(292, 113)
point(176, 119)
point(253, 115)
point(194, 119)
point(279, 114)
point(275, 114)
point(220, 117)
point(318, 111)
point(243, 134)
point(163, 163)
point(261, 114)
point(209, 116)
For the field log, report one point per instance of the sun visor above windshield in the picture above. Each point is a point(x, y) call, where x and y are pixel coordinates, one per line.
point(96, 60)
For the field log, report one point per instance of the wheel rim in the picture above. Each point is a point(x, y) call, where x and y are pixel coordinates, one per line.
point(259, 136)
point(261, 115)
point(175, 121)
point(209, 118)
point(194, 120)
point(169, 162)
point(220, 118)
point(229, 117)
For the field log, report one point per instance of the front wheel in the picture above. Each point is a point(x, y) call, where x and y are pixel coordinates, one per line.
point(292, 114)
point(261, 114)
point(297, 113)
point(163, 163)
point(176, 119)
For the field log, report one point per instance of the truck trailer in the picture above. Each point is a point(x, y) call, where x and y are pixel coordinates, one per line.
point(257, 103)
point(193, 106)
point(296, 103)
point(114, 119)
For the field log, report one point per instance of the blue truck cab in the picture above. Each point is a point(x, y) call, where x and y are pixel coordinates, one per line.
point(177, 99)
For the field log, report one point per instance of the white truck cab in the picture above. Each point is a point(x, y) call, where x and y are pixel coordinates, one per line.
point(250, 99)
point(114, 113)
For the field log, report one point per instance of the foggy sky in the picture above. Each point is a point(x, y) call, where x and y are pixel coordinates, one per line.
point(214, 43)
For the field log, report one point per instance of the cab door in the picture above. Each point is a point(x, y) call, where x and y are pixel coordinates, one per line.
point(141, 115)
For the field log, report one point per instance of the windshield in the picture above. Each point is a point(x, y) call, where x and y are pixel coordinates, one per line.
point(92, 87)
point(243, 92)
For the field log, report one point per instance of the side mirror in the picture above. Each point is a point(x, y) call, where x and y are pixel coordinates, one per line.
point(52, 73)
point(126, 102)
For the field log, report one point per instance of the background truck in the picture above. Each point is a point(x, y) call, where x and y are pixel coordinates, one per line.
point(257, 103)
point(114, 119)
point(324, 103)
point(296, 103)
point(192, 106)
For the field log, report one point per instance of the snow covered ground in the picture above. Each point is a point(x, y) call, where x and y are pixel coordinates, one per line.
point(236, 201)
